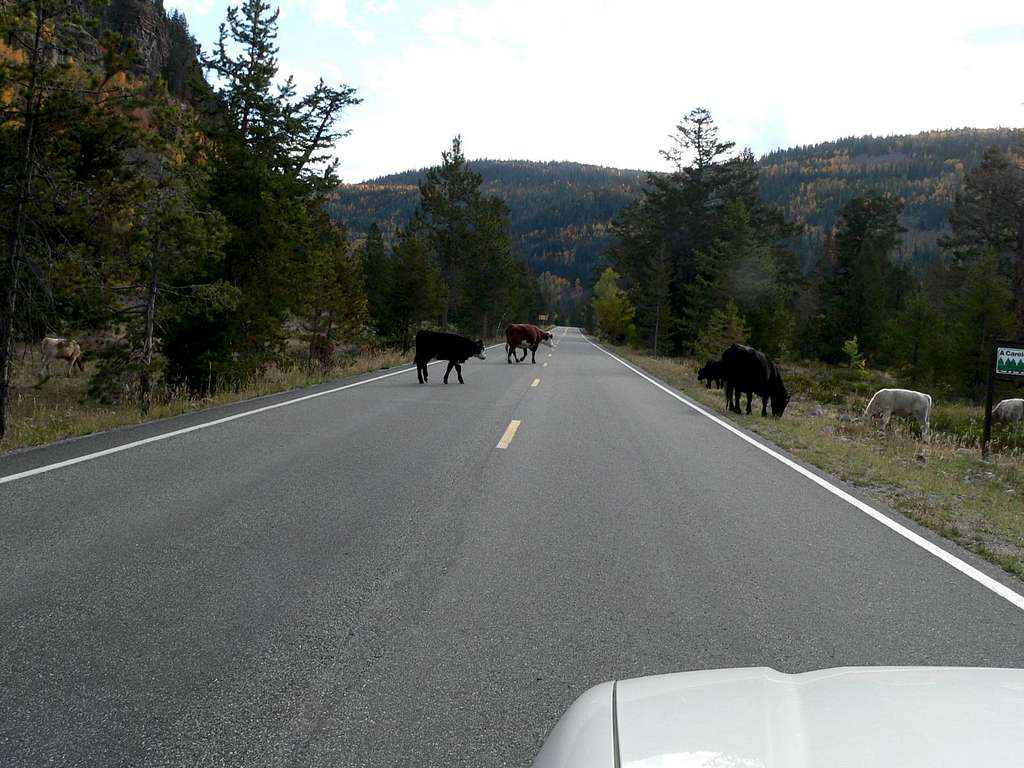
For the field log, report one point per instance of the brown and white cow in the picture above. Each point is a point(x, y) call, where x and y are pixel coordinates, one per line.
point(526, 337)
point(54, 348)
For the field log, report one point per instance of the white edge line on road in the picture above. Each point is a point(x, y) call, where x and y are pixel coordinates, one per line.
point(204, 425)
point(968, 570)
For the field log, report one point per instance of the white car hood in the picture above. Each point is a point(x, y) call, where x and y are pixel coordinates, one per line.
point(903, 717)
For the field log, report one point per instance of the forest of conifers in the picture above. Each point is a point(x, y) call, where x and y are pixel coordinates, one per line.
point(185, 211)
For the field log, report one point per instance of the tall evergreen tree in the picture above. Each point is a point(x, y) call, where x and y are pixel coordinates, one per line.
point(270, 175)
point(861, 292)
point(988, 217)
point(449, 198)
point(415, 290)
point(373, 259)
point(688, 239)
point(468, 233)
point(981, 312)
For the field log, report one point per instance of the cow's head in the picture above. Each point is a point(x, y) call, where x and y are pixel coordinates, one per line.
point(479, 350)
point(780, 399)
point(545, 338)
point(704, 374)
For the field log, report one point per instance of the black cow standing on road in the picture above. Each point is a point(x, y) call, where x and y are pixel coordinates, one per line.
point(750, 371)
point(445, 346)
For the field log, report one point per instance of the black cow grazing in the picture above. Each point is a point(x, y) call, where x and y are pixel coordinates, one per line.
point(712, 372)
point(750, 371)
point(445, 346)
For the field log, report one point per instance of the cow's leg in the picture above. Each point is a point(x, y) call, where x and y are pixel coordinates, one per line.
point(520, 359)
point(421, 370)
point(750, 396)
point(508, 353)
point(458, 372)
point(764, 405)
point(728, 396)
point(71, 365)
point(533, 352)
point(448, 370)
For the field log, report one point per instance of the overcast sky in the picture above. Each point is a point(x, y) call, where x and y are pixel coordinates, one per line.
point(606, 82)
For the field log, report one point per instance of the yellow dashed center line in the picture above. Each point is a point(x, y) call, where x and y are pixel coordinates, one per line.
point(535, 382)
point(510, 432)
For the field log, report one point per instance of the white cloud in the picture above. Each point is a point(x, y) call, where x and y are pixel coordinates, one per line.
point(606, 81)
point(332, 12)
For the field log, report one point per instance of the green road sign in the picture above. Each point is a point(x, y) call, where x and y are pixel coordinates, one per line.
point(1010, 361)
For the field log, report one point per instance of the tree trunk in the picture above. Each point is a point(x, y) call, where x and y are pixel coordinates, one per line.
point(657, 323)
point(16, 243)
point(145, 396)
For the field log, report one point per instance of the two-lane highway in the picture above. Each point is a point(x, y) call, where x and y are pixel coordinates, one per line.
point(395, 574)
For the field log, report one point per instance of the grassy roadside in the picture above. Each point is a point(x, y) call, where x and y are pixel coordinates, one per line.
point(55, 409)
point(943, 484)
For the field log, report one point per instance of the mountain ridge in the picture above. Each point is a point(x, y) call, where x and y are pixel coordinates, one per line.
point(562, 211)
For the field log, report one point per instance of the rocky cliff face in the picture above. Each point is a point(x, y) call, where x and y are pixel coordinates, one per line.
point(164, 46)
point(145, 23)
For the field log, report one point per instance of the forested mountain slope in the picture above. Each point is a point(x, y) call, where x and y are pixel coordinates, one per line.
point(812, 183)
point(561, 211)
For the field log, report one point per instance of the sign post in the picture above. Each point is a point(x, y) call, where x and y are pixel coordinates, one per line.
point(1005, 364)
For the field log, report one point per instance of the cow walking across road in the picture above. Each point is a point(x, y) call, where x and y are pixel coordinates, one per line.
point(526, 337)
point(750, 371)
point(455, 349)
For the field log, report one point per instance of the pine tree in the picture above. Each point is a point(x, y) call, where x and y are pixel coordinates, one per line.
point(682, 248)
point(373, 260)
point(270, 175)
point(861, 292)
point(981, 313)
point(415, 291)
point(724, 326)
point(449, 197)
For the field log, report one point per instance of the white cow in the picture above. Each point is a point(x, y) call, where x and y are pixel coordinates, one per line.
point(901, 402)
point(60, 349)
point(1011, 410)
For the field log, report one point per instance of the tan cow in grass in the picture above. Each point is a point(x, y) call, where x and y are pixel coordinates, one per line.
point(54, 348)
point(901, 402)
point(1011, 410)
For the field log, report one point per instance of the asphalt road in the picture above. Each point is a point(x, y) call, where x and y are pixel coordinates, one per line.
point(365, 579)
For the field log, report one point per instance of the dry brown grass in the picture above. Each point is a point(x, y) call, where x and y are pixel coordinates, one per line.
point(57, 408)
point(943, 484)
